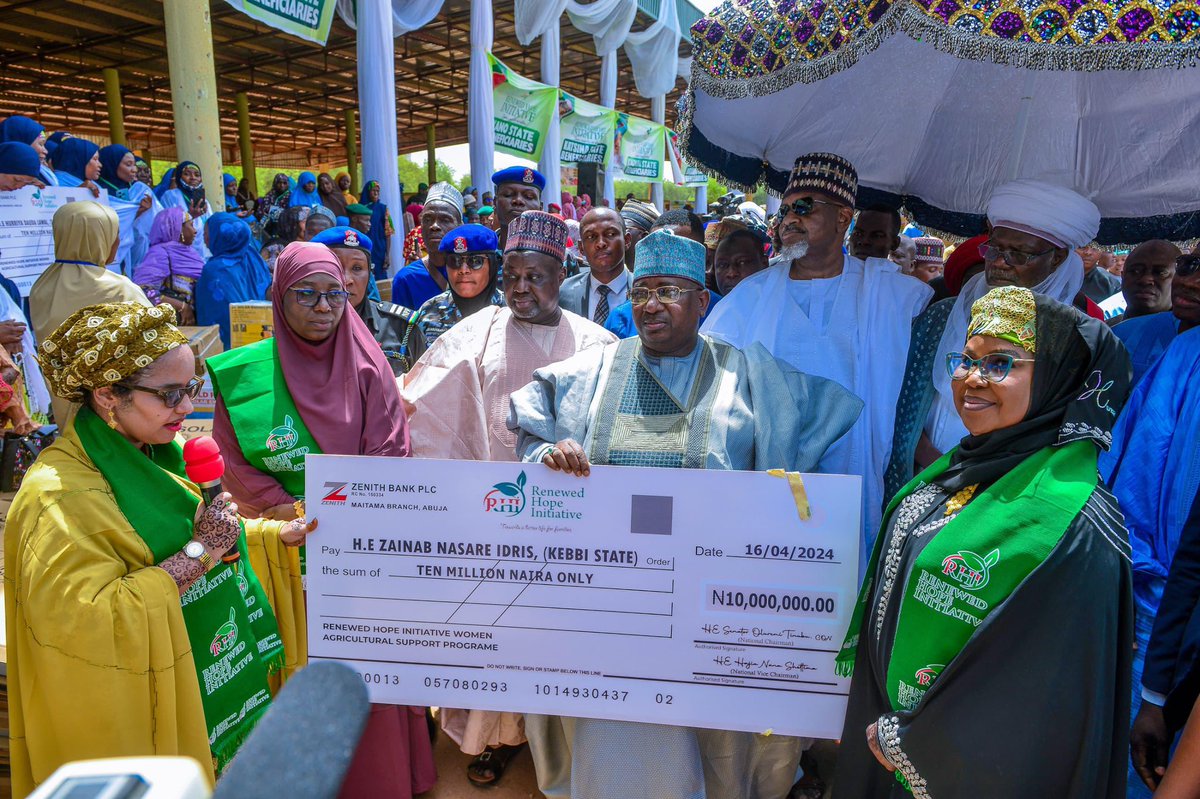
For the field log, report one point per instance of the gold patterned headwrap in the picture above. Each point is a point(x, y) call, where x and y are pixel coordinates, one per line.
point(1008, 313)
point(104, 344)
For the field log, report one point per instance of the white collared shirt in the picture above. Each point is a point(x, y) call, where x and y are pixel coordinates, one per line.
point(619, 288)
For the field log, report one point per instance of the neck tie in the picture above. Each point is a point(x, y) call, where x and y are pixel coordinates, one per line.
point(602, 304)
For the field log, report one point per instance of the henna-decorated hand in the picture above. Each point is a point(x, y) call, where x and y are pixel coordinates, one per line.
point(217, 526)
point(296, 531)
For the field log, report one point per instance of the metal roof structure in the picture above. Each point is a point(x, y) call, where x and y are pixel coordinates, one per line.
point(52, 53)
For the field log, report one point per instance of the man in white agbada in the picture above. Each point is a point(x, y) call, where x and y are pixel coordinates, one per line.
point(457, 399)
point(1035, 228)
point(671, 398)
point(830, 314)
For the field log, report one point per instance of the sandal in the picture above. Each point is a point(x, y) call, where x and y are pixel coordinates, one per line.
point(488, 768)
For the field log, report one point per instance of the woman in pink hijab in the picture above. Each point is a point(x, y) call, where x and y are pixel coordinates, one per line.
point(341, 386)
point(338, 396)
point(568, 210)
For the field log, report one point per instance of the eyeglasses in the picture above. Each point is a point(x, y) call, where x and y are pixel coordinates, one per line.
point(472, 262)
point(1011, 257)
point(666, 295)
point(993, 368)
point(171, 397)
point(311, 298)
point(801, 206)
point(1186, 265)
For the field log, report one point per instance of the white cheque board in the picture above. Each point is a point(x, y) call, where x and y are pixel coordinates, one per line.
point(674, 596)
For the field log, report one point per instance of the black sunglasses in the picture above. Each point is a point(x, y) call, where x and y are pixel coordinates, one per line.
point(1186, 265)
point(171, 397)
point(801, 206)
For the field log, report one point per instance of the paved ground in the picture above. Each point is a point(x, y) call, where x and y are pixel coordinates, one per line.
point(518, 783)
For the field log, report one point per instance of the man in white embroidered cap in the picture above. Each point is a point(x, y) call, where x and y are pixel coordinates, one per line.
point(673, 398)
point(1035, 228)
point(830, 314)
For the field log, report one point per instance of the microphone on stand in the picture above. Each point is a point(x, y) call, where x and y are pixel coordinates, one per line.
point(205, 467)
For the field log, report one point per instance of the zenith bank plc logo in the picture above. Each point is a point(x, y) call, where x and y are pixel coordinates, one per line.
point(506, 498)
point(335, 494)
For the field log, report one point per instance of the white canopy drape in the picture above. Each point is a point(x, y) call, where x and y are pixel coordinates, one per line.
point(407, 15)
point(376, 49)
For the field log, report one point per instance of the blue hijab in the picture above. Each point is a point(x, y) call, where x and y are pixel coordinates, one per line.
point(20, 129)
point(111, 158)
point(53, 140)
point(73, 156)
point(301, 197)
point(17, 158)
point(164, 184)
point(378, 234)
point(189, 192)
point(236, 272)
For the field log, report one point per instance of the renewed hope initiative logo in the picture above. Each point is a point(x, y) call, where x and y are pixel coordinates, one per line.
point(969, 570)
point(506, 498)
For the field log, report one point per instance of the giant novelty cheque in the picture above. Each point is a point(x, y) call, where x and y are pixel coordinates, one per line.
point(693, 597)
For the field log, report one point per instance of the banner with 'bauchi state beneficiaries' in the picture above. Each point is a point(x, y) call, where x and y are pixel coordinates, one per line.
point(522, 110)
point(307, 19)
point(587, 131)
point(639, 150)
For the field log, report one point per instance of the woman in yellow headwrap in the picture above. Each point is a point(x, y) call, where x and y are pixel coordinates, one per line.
point(130, 632)
point(86, 237)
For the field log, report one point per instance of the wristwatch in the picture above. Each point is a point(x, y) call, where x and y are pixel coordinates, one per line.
point(196, 551)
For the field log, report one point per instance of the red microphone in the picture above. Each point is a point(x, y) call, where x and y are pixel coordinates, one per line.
point(205, 467)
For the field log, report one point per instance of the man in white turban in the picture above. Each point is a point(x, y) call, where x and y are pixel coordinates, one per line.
point(1035, 229)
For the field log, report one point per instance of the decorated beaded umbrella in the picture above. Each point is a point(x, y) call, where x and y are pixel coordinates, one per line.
point(936, 102)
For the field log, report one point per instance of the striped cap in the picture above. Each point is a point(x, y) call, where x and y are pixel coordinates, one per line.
point(538, 231)
point(824, 173)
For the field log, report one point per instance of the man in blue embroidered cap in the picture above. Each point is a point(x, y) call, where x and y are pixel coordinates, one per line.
point(518, 189)
point(725, 409)
point(456, 397)
point(830, 314)
point(393, 326)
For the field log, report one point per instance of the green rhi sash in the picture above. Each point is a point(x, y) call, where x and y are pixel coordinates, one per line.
point(268, 427)
point(974, 563)
point(231, 627)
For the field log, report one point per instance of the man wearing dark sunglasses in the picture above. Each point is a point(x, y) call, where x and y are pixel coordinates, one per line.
point(831, 314)
point(1147, 337)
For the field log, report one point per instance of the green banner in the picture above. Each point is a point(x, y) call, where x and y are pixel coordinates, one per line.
point(307, 19)
point(522, 109)
point(639, 152)
point(587, 131)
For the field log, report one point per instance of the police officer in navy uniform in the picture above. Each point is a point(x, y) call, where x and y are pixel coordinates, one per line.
point(393, 326)
point(518, 189)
